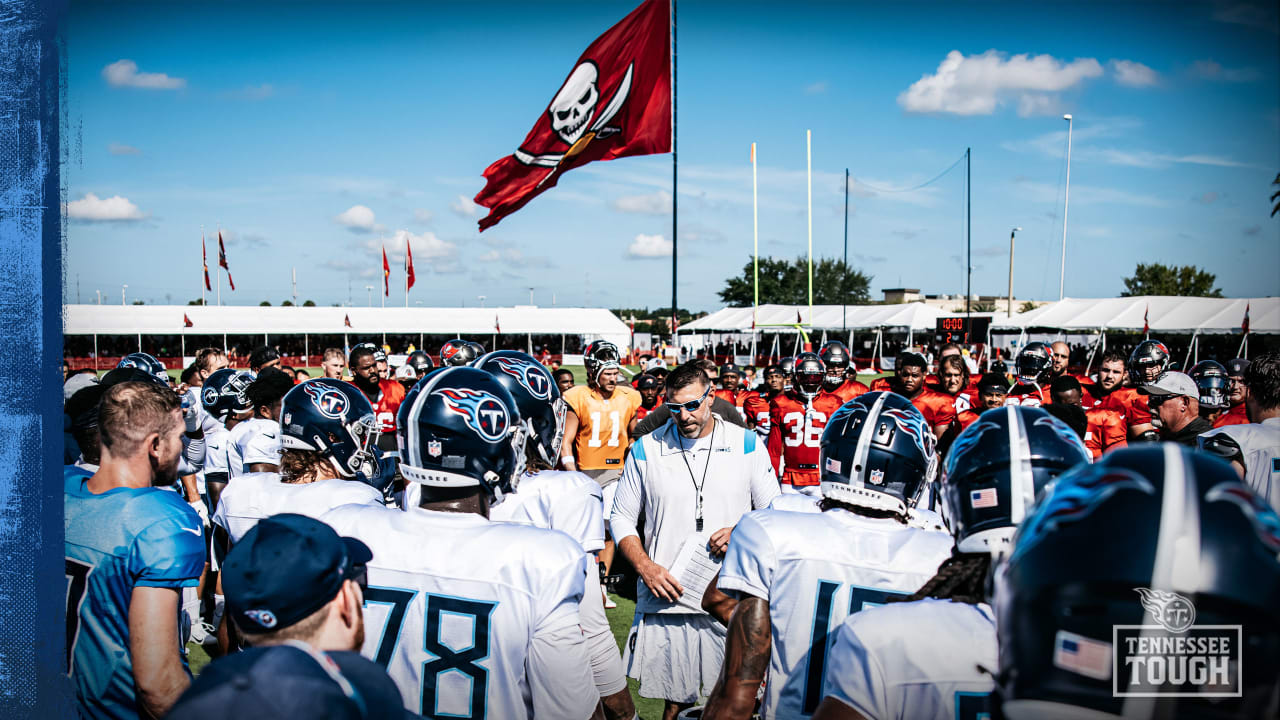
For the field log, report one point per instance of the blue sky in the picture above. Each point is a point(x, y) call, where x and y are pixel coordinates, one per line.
point(315, 133)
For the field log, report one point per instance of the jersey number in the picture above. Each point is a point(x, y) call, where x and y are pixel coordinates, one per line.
point(77, 581)
point(615, 428)
point(447, 659)
point(859, 598)
point(806, 428)
point(973, 706)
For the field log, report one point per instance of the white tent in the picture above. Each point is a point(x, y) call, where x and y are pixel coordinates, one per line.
point(589, 323)
point(1189, 315)
point(913, 316)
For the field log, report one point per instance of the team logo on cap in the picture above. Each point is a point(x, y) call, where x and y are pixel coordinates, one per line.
point(484, 412)
point(531, 376)
point(329, 401)
point(265, 618)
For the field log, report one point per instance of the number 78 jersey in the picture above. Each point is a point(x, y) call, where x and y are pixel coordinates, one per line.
point(816, 569)
point(473, 618)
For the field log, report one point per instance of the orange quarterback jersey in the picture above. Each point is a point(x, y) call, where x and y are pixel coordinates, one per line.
point(1234, 416)
point(850, 390)
point(795, 429)
point(602, 437)
point(1106, 431)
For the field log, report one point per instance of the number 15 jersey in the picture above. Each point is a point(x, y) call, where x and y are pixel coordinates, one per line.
point(815, 569)
point(473, 618)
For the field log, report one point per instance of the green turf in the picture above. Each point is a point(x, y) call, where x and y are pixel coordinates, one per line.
point(619, 622)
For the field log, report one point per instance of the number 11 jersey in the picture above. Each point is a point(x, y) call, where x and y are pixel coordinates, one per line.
point(473, 618)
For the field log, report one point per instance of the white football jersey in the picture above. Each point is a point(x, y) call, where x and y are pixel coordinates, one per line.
point(473, 618)
point(215, 452)
point(250, 498)
point(258, 443)
point(814, 570)
point(914, 660)
point(1260, 453)
point(800, 502)
point(569, 502)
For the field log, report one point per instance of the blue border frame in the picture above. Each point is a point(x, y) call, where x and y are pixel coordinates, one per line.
point(33, 682)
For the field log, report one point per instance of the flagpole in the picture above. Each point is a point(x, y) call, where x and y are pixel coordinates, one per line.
point(755, 253)
point(204, 265)
point(675, 313)
point(220, 255)
point(844, 298)
point(808, 151)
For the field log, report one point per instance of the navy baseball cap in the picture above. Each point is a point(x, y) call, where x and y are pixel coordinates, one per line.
point(286, 682)
point(993, 382)
point(262, 355)
point(286, 568)
point(730, 369)
point(1236, 367)
point(647, 381)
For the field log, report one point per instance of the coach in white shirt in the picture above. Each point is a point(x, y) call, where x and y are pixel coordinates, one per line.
point(694, 476)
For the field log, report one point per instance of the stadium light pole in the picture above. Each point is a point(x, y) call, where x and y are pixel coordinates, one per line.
point(99, 296)
point(1009, 308)
point(122, 289)
point(481, 299)
point(530, 296)
point(1066, 203)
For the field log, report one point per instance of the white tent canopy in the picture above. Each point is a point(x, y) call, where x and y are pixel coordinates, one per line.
point(241, 320)
point(915, 316)
point(1163, 314)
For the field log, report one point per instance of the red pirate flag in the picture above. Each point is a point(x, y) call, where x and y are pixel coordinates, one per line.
point(222, 261)
point(408, 266)
point(1244, 326)
point(386, 274)
point(616, 102)
point(497, 327)
point(204, 260)
point(346, 320)
point(186, 321)
point(1146, 324)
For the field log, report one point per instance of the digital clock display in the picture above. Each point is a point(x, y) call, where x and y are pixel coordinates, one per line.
point(962, 330)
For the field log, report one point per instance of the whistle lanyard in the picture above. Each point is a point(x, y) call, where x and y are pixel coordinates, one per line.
point(696, 485)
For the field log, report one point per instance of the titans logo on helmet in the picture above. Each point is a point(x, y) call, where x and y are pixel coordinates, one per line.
point(532, 377)
point(1266, 523)
point(1073, 500)
point(970, 437)
point(1065, 432)
point(331, 403)
point(484, 412)
point(912, 424)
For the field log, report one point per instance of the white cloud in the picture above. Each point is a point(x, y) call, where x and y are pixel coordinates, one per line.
point(422, 216)
point(1085, 150)
point(1211, 70)
point(463, 207)
point(514, 258)
point(357, 218)
point(113, 209)
point(979, 84)
point(649, 246)
point(124, 73)
point(425, 247)
point(816, 88)
point(658, 203)
point(1134, 74)
point(120, 149)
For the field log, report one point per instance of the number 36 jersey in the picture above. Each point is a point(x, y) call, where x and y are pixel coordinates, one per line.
point(815, 569)
point(473, 618)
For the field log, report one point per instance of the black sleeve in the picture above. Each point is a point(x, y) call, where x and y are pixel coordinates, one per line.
point(727, 411)
point(653, 421)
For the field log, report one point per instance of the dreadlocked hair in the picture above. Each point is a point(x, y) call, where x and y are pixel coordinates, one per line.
point(961, 577)
point(299, 466)
point(827, 503)
point(533, 462)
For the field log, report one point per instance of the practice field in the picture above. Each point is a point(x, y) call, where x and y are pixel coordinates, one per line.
point(619, 622)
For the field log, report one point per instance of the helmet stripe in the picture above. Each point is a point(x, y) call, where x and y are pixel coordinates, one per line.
point(864, 441)
point(1177, 564)
point(1021, 477)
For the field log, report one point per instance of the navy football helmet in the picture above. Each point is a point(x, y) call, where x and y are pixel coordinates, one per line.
point(458, 352)
point(808, 375)
point(420, 362)
point(997, 467)
point(536, 395)
point(225, 393)
point(1212, 380)
point(835, 356)
point(1033, 362)
point(1147, 362)
point(1118, 543)
point(599, 356)
point(877, 451)
point(147, 363)
point(462, 429)
point(335, 419)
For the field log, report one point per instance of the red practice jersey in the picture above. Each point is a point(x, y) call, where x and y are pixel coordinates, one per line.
point(1106, 431)
point(1234, 416)
point(755, 408)
point(387, 404)
point(1130, 405)
point(939, 409)
point(795, 429)
point(1029, 395)
point(850, 390)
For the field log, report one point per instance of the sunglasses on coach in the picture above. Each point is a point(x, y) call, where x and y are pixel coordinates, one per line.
point(676, 408)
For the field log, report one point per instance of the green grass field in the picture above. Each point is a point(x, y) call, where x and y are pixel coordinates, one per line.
point(619, 622)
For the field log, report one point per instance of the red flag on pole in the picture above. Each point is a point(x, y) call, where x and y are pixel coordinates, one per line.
point(346, 320)
point(386, 273)
point(616, 102)
point(204, 260)
point(222, 261)
point(1245, 325)
point(408, 265)
point(1146, 325)
point(496, 326)
point(186, 321)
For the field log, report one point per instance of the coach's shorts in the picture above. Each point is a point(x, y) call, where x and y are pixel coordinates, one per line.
point(675, 657)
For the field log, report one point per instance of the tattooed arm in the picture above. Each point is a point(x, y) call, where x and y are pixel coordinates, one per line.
point(746, 657)
point(718, 603)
